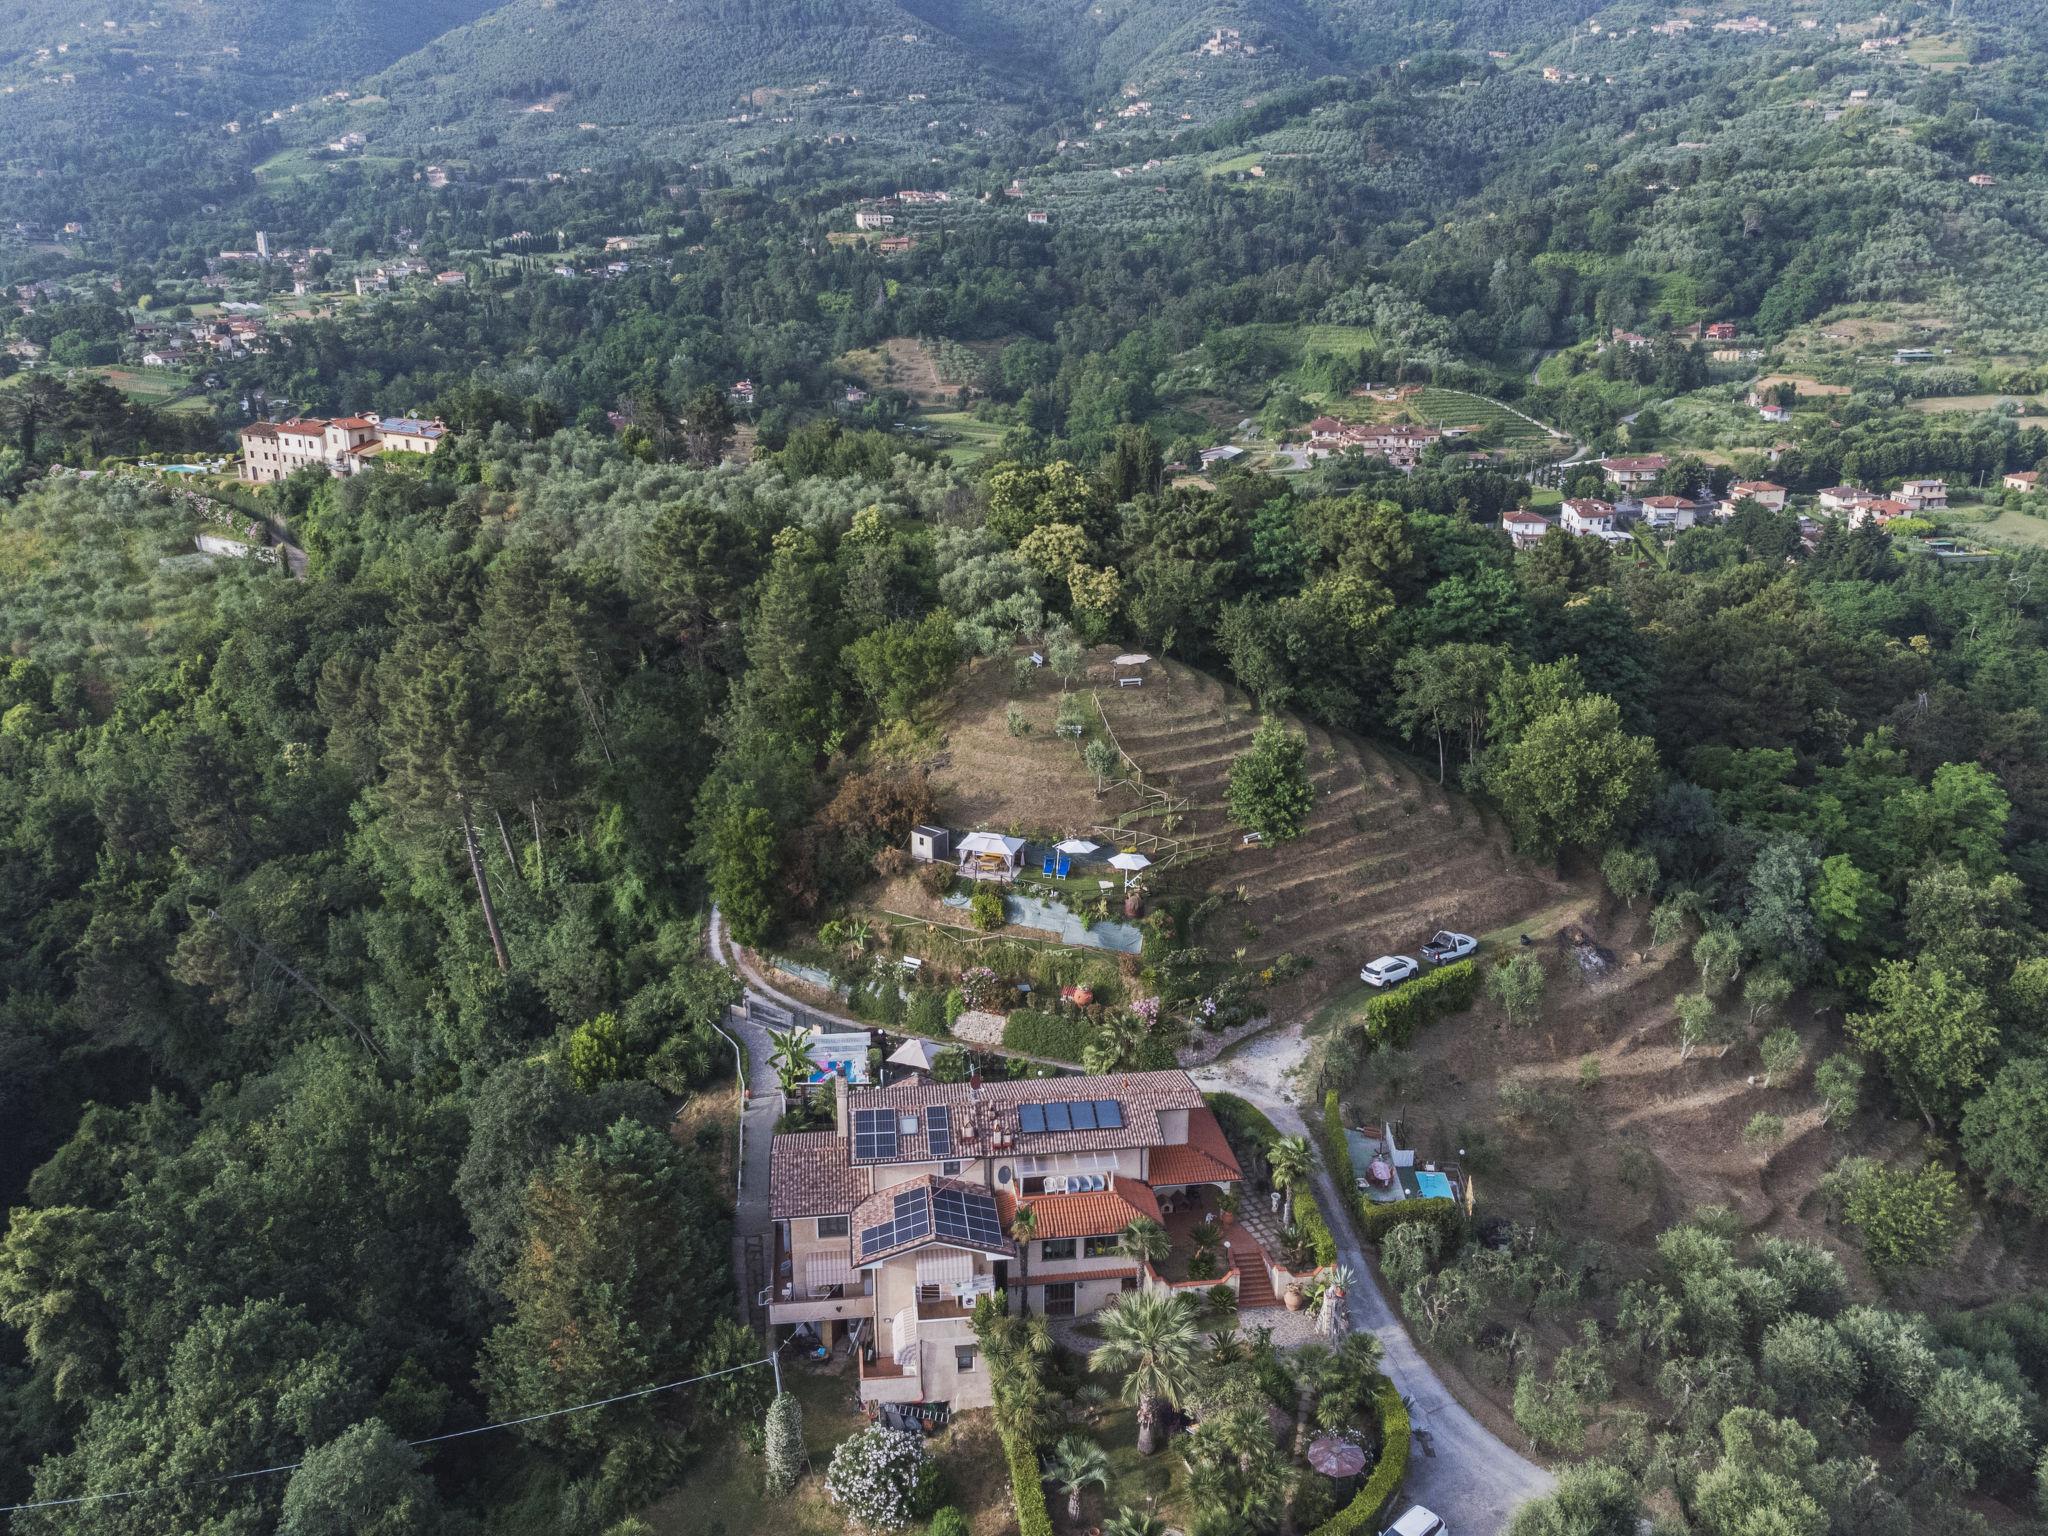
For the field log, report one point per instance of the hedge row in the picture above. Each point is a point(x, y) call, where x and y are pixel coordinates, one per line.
point(1376, 1218)
point(1363, 1512)
point(1393, 1017)
point(1027, 1489)
point(1057, 1037)
point(1337, 1146)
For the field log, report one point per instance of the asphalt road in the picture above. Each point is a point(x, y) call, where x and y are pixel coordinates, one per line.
point(1459, 1468)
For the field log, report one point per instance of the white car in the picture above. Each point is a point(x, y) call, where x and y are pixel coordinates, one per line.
point(1444, 947)
point(1387, 970)
point(1418, 1522)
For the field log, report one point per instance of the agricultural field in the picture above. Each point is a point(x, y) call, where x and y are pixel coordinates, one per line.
point(1457, 408)
point(961, 437)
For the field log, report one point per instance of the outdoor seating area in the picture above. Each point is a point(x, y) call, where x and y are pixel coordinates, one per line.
point(1388, 1171)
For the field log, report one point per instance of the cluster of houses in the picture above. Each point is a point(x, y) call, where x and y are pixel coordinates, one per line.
point(1633, 478)
point(241, 331)
point(384, 278)
point(342, 445)
point(1399, 444)
point(1861, 506)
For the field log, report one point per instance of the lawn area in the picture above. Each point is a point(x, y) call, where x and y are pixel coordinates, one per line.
point(2006, 527)
point(150, 386)
point(1154, 1483)
point(970, 442)
point(1303, 338)
point(723, 1496)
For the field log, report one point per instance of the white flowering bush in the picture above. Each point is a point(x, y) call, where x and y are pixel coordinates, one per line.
point(874, 1477)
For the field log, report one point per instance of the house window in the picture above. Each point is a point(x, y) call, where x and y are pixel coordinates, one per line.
point(1059, 1299)
point(950, 1168)
point(832, 1226)
point(1098, 1247)
point(963, 1358)
point(1056, 1248)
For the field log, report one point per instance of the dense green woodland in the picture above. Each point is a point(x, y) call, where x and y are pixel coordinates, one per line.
point(329, 1116)
point(351, 928)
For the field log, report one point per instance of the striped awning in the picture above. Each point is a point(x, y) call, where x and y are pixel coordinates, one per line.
point(827, 1269)
point(946, 1266)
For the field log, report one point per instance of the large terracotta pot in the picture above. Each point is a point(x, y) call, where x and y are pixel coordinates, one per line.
point(1292, 1299)
point(1134, 903)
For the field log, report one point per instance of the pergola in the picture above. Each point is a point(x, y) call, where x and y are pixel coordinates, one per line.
point(990, 856)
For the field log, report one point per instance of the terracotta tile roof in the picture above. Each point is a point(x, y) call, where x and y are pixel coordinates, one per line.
point(1143, 1095)
point(259, 429)
point(353, 423)
point(1638, 462)
point(808, 1175)
point(1095, 1214)
point(1204, 1158)
point(311, 426)
point(1112, 1272)
point(880, 1207)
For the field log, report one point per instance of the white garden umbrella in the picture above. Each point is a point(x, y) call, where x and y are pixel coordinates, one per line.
point(1078, 845)
point(1130, 864)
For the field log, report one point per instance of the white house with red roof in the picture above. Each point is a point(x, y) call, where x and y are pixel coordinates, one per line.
point(1588, 515)
point(1524, 527)
point(1633, 472)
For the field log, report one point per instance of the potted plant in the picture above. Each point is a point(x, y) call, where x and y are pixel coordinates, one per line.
point(1292, 1298)
point(1226, 1206)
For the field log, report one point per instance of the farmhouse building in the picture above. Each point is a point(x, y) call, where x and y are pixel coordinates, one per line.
point(273, 450)
point(2023, 480)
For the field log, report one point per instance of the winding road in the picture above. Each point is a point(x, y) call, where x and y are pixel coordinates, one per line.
point(1460, 1468)
point(1463, 1471)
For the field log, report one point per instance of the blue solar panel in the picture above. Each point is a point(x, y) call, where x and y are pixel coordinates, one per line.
point(1084, 1114)
point(1056, 1117)
point(1031, 1118)
point(938, 1129)
point(874, 1133)
point(1109, 1114)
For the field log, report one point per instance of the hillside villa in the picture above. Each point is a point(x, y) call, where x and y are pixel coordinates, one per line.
point(1925, 495)
point(1763, 492)
point(2023, 480)
point(1636, 472)
point(892, 1223)
point(1523, 526)
point(1588, 515)
point(273, 450)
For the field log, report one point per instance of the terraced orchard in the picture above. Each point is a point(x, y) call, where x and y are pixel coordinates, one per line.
point(1387, 856)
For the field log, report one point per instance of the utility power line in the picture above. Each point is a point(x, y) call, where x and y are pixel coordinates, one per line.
point(454, 1434)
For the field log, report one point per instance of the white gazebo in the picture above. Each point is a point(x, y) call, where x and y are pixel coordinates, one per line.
point(990, 856)
point(1129, 670)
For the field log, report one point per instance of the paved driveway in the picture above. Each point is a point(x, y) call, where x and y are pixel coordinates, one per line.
point(1458, 1467)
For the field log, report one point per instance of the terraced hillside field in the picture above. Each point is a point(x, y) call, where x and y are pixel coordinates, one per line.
point(1387, 856)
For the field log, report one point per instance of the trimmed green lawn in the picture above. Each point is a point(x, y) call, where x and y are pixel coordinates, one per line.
point(2007, 527)
point(971, 440)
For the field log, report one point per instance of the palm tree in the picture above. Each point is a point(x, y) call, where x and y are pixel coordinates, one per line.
point(1144, 1241)
point(1150, 1337)
point(791, 1056)
point(1133, 1522)
point(1290, 1161)
point(1077, 1462)
point(1024, 1227)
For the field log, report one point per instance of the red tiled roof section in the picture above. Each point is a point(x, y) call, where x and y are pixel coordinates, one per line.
point(808, 1175)
point(1203, 1159)
point(1096, 1214)
point(1112, 1272)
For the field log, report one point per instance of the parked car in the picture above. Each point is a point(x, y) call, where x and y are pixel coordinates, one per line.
point(1418, 1522)
point(1387, 970)
point(1444, 947)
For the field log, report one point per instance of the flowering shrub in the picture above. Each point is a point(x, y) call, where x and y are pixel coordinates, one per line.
point(874, 1477)
point(981, 987)
point(1147, 1011)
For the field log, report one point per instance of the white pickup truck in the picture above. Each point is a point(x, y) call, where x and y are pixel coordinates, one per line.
point(1444, 947)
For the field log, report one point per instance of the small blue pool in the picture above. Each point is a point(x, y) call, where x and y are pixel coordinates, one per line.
point(184, 469)
point(1434, 1186)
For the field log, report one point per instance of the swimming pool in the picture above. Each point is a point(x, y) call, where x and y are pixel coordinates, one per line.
point(1434, 1186)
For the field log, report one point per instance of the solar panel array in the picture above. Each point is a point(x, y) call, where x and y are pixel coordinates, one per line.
point(874, 1133)
point(967, 1218)
point(938, 1129)
point(912, 1219)
point(1070, 1115)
